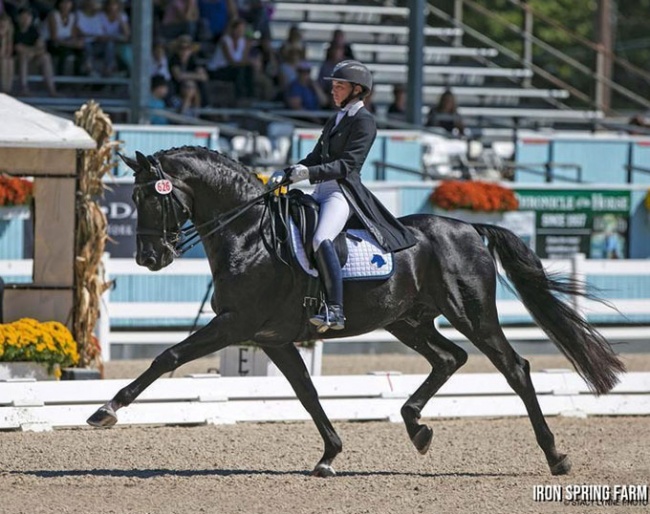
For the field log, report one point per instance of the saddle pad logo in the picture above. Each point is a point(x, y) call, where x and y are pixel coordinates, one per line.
point(366, 259)
point(378, 260)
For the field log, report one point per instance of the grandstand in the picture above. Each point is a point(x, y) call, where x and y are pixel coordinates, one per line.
point(498, 91)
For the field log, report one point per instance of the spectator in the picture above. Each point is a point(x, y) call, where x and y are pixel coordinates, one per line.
point(91, 29)
point(335, 54)
point(40, 8)
point(6, 52)
point(304, 94)
point(288, 67)
point(368, 102)
point(181, 17)
point(266, 69)
point(293, 45)
point(397, 110)
point(117, 35)
point(215, 14)
point(188, 76)
point(231, 60)
point(159, 61)
point(445, 115)
point(64, 37)
point(338, 39)
point(638, 120)
point(256, 13)
point(30, 46)
point(158, 100)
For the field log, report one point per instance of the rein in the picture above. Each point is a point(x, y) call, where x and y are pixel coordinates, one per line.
point(190, 234)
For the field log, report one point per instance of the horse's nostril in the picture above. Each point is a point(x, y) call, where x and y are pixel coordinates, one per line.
point(149, 260)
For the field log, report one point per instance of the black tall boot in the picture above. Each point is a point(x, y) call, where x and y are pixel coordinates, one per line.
point(329, 268)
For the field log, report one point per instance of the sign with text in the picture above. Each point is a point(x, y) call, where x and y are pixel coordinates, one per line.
point(593, 222)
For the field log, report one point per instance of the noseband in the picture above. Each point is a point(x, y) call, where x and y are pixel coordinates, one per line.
point(164, 189)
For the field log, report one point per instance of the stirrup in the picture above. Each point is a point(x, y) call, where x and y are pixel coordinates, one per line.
point(331, 316)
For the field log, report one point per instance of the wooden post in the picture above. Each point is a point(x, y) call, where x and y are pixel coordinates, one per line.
point(458, 17)
point(528, 42)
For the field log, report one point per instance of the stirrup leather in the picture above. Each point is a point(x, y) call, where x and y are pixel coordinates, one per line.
point(331, 316)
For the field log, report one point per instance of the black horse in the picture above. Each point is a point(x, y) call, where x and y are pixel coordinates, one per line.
point(451, 271)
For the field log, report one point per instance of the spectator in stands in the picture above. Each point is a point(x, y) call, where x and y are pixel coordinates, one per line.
point(334, 165)
point(117, 35)
point(158, 100)
point(335, 54)
point(40, 8)
point(89, 23)
point(181, 17)
point(159, 61)
point(266, 69)
point(304, 94)
point(397, 109)
point(215, 14)
point(231, 61)
point(338, 39)
point(258, 15)
point(30, 46)
point(288, 67)
point(445, 115)
point(6, 52)
point(638, 120)
point(368, 102)
point(188, 76)
point(293, 45)
point(64, 37)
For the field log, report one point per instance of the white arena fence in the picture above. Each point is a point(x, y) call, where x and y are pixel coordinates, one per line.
point(578, 267)
point(210, 399)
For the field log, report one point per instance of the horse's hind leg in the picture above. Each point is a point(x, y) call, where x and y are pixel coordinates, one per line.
point(445, 358)
point(491, 340)
point(288, 360)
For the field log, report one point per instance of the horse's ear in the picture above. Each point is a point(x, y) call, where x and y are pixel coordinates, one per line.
point(131, 163)
point(143, 162)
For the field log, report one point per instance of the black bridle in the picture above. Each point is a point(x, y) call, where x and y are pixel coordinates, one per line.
point(182, 239)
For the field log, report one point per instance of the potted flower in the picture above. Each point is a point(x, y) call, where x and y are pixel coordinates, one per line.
point(29, 348)
point(15, 197)
point(474, 200)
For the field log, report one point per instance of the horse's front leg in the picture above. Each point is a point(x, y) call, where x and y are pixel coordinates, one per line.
point(219, 333)
point(287, 359)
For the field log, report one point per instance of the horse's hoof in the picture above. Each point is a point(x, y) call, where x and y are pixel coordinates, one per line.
point(323, 471)
point(422, 439)
point(561, 467)
point(104, 417)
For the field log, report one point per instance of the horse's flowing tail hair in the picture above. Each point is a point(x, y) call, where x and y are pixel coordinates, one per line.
point(587, 349)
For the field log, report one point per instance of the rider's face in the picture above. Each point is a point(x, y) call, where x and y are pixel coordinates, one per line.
point(340, 91)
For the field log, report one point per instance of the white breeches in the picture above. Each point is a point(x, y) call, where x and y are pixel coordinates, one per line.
point(334, 214)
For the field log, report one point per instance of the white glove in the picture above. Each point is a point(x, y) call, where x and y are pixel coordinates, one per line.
point(298, 173)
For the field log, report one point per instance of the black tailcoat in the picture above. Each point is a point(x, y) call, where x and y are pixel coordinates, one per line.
point(339, 155)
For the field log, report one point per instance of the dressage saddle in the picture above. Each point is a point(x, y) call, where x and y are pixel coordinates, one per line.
point(303, 210)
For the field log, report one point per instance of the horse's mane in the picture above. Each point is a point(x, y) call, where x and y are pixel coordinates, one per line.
point(214, 164)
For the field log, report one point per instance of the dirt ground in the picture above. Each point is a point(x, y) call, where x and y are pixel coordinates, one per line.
point(474, 465)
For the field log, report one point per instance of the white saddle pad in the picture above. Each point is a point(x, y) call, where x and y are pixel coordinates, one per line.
point(366, 259)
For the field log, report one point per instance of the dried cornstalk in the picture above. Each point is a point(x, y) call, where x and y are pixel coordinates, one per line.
point(91, 232)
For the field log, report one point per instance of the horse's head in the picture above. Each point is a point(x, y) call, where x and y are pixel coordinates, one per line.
point(162, 206)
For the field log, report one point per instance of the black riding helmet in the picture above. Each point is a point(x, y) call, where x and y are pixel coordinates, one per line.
point(353, 72)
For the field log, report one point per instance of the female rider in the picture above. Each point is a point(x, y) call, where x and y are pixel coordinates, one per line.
point(334, 165)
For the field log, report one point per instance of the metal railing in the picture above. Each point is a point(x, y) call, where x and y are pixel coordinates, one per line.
point(530, 43)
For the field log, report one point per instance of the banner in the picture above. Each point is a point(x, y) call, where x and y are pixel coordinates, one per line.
point(593, 222)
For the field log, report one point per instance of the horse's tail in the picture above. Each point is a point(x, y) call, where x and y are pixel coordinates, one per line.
point(587, 349)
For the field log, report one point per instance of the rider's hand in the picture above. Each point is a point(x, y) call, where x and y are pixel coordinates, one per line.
point(298, 173)
point(276, 178)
